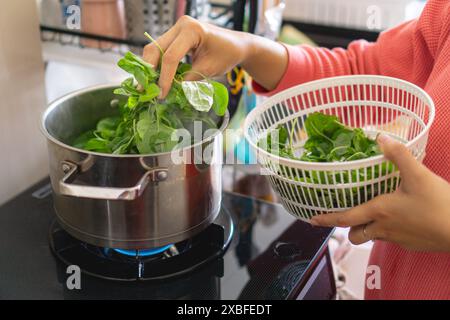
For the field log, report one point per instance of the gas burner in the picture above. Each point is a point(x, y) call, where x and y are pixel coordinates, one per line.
point(150, 264)
point(142, 253)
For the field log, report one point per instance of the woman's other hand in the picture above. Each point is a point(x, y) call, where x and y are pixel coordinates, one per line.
point(416, 216)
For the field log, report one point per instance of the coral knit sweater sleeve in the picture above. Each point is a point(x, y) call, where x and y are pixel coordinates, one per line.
point(417, 51)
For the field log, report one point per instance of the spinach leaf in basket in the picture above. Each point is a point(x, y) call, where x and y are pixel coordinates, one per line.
point(329, 140)
point(320, 125)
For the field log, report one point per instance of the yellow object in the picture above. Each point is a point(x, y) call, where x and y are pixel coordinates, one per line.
point(238, 81)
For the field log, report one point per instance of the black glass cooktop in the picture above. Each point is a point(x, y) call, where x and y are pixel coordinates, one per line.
point(264, 253)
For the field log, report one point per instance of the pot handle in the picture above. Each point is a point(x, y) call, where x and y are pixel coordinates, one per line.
point(107, 193)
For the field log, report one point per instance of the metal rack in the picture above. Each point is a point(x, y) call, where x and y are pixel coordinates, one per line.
point(331, 36)
point(328, 36)
point(73, 37)
point(223, 13)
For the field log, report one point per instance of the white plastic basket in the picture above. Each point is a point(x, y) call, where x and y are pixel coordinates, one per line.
point(377, 104)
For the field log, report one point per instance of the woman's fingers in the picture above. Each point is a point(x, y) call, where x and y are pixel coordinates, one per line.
point(152, 53)
point(201, 69)
point(356, 235)
point(399, 154)
point(367, 232)
point(176, 51)
point(360, 234)
point(195, 75)
point(356, 216)
point(198, 72)
point(185, 35)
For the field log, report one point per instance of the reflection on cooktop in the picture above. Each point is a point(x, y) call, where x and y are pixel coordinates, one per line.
point(268, 255)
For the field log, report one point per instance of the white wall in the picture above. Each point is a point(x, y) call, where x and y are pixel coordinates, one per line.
point(70, 68)
point(23, 153)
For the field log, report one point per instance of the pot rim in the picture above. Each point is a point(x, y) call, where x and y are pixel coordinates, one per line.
point(55, 103)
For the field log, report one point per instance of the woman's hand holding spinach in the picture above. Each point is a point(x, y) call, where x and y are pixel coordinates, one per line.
point(215, 51)
point(416, 216)
point(144, 124)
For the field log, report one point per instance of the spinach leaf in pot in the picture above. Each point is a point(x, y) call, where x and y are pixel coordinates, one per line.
point(220, 100)
point(146, 125)
point(200, 94)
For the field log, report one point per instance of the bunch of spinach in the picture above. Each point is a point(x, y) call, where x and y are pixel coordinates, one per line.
point(329, 140)
point(145, 124)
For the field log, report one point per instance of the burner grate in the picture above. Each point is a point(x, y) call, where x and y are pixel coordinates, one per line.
point(160, 263)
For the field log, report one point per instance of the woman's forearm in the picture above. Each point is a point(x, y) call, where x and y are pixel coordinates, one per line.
point(265, 60)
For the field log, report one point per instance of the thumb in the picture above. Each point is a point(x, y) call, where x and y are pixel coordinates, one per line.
point(400, 155)
point(193, 75)
point(198, 72)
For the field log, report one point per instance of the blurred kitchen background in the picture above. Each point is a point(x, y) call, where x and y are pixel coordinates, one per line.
point(52, 47)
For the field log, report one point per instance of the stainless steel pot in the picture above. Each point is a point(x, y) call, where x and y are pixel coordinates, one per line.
point(126, 201)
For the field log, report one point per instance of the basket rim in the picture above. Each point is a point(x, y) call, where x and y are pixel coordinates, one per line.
point(299, 164)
